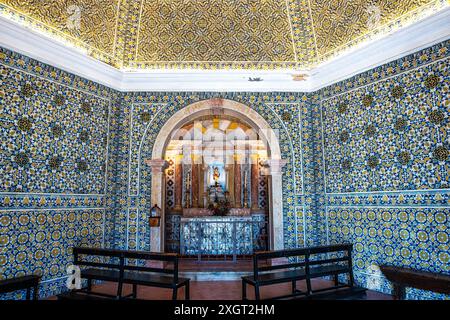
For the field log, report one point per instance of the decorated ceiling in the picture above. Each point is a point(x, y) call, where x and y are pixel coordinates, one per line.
point(216, 34)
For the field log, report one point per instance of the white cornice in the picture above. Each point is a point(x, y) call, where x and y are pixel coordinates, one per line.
point(47, 50)
point(410, 39)
point(403, 42)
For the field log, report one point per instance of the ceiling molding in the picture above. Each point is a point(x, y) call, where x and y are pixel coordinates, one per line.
point(422, 34)
point(50, 51)
point(418, 36)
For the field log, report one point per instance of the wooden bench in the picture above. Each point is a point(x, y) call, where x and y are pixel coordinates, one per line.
point(402, 278)
point(302, 264)
point(27, 282)
point(117, 268)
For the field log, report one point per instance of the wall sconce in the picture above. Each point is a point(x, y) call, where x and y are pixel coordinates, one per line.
point(155, 216)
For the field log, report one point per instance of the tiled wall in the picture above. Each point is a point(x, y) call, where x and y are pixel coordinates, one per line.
point(140, 119)
point(373, 171)
point(387, 167)
point(54, 166)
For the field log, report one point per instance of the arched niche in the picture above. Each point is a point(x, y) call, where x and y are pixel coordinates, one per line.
point(274, 164)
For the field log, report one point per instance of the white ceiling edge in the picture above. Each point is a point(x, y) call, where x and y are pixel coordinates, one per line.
point(50, 51)
point(415, 37)
point(418, 36)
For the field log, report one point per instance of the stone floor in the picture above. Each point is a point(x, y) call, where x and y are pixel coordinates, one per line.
point(223, 290)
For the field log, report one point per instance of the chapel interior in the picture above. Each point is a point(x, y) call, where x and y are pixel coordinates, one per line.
point(224, 149)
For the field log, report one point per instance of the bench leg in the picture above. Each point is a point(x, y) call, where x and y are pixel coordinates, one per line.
point(186, 292)
point(294, 287)
point(336, 280)
point(257, 297)
point(352, 279)
point(399, 292)
point(35, 293)
point(89, 285)
point(244, 290)
point(308, 286)
point(119, 290)
point(134, 291)
point(174, 293)
point(28, 293)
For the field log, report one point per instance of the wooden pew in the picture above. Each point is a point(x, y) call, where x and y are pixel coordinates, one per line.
point(303, 264)
point(403, 278)
point(118, 269)
point(27, 282)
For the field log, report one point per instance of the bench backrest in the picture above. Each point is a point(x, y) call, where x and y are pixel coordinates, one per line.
point(123, 257)
point(305, 257)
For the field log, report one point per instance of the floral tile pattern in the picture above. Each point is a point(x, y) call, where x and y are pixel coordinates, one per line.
point(367, 162)
point(387, 166)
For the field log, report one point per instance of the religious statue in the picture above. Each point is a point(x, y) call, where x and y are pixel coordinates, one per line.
point(216, 175)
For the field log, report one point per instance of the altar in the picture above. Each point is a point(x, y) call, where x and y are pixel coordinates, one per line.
point(228, 235)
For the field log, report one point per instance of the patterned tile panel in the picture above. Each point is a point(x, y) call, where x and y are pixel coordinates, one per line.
point(413, 237)
point(390, 135)
point(386, 171)
point(39, 241)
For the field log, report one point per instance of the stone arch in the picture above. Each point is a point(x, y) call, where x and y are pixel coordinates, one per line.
point(191, 111)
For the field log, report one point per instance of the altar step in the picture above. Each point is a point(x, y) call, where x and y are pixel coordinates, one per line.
point(214, 270)
point(214, 275)
point(240, 265)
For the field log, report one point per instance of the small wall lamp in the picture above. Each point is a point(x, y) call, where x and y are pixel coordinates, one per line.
point(155, 216)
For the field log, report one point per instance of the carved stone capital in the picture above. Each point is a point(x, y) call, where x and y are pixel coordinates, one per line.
point(274, 166)
point(157, 165)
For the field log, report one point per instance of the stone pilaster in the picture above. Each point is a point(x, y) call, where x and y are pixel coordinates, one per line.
point(158, 177)
point(254, 180)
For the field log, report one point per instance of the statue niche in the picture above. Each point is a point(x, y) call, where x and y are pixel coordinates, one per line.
point(214, 186)
point(215, 161)
point(217, 191)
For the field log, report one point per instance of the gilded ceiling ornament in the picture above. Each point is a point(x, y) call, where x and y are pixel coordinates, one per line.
point(82, 165)
point(342, 107)
point(286, 116)
point(373, 162)
point(212, 34)
point(397, 92)
point(299, 77)
point(85, 107)
point(55, 162)
point(57, 130)
point(85, 24)
point(404, 157)
point(400, 124)
point(145, 116)
point(27, 90)
point(22, 159)
point(436, 116)
point(441, 153)
point(367, 100)
point(344, 136)
point(24, 124)
point(346, 164)
point(59, 100)
point(84, 136)
point(339, 25)
point(215, 34)
point(370, 130)
point(431, 81)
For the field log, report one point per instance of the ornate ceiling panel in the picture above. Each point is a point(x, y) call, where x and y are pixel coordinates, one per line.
point(341, 24)
point(88, 24)
point(227, 33)
point(216, 34)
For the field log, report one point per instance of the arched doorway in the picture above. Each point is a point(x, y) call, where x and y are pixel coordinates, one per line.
point(226, 110)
